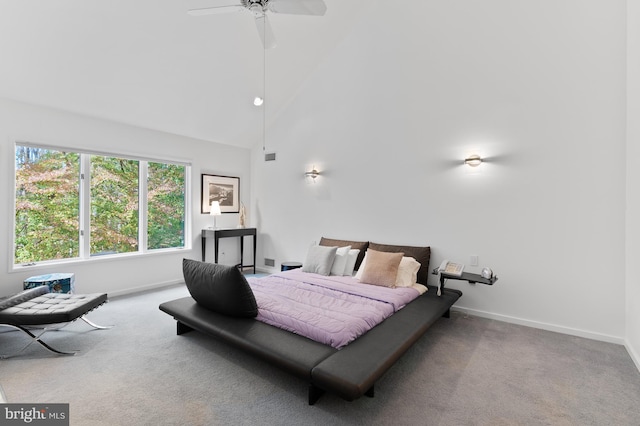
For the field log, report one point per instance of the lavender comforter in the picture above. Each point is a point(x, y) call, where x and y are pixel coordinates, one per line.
point(332, 310)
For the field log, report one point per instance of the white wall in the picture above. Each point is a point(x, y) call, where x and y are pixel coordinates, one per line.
point(537, 87)
point(633, 180)
point(20, 121)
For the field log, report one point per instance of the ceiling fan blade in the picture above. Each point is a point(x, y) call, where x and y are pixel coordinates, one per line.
point(215, 10)
point(298, 7)
point(265, 32)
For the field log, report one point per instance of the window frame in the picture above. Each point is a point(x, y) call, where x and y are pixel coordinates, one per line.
point(84, 191)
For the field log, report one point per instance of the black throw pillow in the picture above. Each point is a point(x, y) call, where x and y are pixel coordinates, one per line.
point(220, 288)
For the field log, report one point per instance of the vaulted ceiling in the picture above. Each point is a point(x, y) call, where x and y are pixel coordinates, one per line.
point(149, 64)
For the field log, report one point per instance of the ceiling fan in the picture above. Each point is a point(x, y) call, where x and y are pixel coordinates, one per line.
point(259, 8)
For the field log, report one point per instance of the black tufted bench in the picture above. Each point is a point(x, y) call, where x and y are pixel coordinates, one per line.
point(37, 307)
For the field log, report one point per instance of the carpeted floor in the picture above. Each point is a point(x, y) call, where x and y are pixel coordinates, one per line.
point(465, 371)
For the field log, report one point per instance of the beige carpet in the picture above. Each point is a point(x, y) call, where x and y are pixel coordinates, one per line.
point(465, 371)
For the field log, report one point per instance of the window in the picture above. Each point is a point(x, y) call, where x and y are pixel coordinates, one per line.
point(78, 205)
point(114, 205)
point(165, 203)
point(47, 205)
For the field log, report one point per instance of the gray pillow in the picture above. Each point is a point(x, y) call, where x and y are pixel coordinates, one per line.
point(220, 288)
point(319, 260)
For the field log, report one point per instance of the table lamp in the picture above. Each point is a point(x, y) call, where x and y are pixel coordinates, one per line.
point(215, 211)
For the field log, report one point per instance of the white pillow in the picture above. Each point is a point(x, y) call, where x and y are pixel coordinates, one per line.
point(361, 268)
point(319, 260)
point(340, 260)
point(352, 257)
point(407, 272)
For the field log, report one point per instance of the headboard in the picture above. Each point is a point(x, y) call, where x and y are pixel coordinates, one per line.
point(421, 254)
point(359, 245)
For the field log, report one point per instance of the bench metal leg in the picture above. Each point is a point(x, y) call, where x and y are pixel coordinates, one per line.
point(94, 325)
point(34, 338)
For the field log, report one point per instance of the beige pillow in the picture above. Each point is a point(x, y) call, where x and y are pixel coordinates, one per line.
point(407, 272)
point(381, 268)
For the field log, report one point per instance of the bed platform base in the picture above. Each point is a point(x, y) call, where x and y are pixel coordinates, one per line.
point(349, 372)
point(315, 393)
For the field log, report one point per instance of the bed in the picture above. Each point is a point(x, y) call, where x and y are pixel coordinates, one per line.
point(345, 366)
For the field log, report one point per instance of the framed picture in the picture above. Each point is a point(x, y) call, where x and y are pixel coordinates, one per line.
point(224, 189)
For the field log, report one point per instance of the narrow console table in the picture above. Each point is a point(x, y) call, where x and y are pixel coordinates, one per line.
point(226, 233)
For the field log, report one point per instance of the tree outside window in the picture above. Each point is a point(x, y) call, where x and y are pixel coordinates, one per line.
point(47, 205)
point(48, 200)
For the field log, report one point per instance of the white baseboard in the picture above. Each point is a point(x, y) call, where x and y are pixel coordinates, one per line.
point(633, 354)
point(147, 287)
point(482, 314)
point(163, 284)
point(544, 326)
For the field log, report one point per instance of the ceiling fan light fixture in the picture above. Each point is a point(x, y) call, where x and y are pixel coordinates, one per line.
point(257, 8)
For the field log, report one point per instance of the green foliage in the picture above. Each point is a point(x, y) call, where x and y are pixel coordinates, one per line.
point(114, 205)
point(165, 204)
point(48, 205)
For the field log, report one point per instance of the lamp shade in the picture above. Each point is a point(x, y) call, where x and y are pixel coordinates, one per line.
point(215, 209)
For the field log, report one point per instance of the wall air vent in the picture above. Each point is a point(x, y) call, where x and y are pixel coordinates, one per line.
point(269, 262)
point(270, 156)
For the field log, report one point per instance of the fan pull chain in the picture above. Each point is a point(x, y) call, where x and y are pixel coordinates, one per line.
point(264, 86)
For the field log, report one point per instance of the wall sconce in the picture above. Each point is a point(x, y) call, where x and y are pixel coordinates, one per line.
point(215, 211)
point(473, 160)
point(258, 101)
point(313, 174)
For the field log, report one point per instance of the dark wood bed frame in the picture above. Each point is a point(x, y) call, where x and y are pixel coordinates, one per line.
point(349, 372)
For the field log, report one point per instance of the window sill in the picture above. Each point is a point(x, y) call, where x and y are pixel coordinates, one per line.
point(50, 264)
